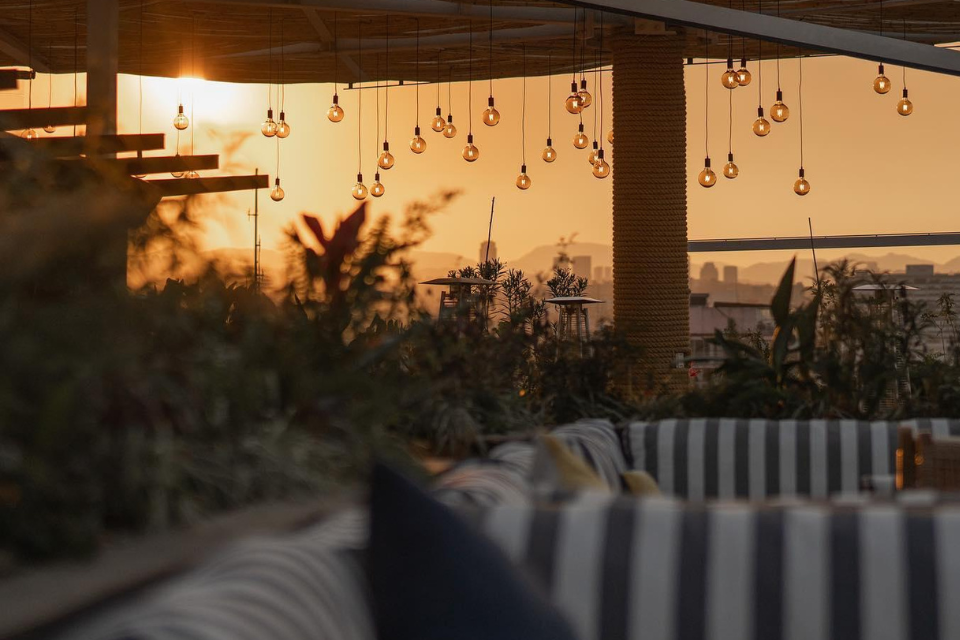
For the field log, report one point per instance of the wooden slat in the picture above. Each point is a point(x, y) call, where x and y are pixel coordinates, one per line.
point(165, 164)
point(37, 118)
point(9, 77)
point(75, 146)
point(189, 187)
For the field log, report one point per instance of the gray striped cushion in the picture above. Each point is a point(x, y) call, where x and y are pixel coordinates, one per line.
point(598, 443)
point(517, 456)
point(480, 483)
point(940, 427)
point(758, 459)
point(667, 570)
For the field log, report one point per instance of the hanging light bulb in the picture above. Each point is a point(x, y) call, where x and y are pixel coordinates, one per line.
point(277, 193)
point(600, 168)
point(29, 134)
point(523, 180)
point(904, 107)
point(574, 103)
point(743, 74)
point(580, 141)
point(881, 83)
point(49, 128)
point(585, 98)
point(283, 128)
point(359, 191)
point(181, 121)
point(801, 187)
point(707, 177)
point(592, 157)
point(490, 115)
point(470, 152)
point(729, 78)
point(417, 144)
point(376, 189)
point(192, 175)
point(449, 131)
point(610, 136)
point(730, 170)
point(761, 126)
point(438, 124)
point(549, 153)
point(335, 113)
point(779, 111)
point(386, 159)
point(269, 126)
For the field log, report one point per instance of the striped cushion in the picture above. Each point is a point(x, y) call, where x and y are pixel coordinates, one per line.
point(597, 442)
point(940, 427)
point(480, 483)
point(518, 456)
point(665, 570)
point(757, 459)
point(280, 588)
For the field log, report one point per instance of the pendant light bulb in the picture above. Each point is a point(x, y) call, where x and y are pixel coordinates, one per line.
point(283, 128)
point(729, 79)
point(418, 145)
point(491, 117)
point(523, 180)
point(438, 124)
point(779, 111)
point(881, 83)
point(585, 98)
point(192, 175)
point(801, 187)
point(470, 152)
point(386, 159)
point(181, 122)
point(278, 193)
point(450, 131)
point(580, 141)
point(335, 113)
point(904, 107)
point(269, 126)
point(573, 104)
point(707, 177)
point(730, 170)
point(549, 153)
point(743, 74)
point(49, 128)
point(359, 191)
point(601, 169)
point(29, 134)
point(377, 189)
point(761, 126)
point(592, 158)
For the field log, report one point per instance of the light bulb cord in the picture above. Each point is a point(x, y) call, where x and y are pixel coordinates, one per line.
point(800, 101)
point(599, 106)
point(416, 71)
point(523, 108)
point(30, 53)
point(76, 60)
point(193, 122)
point(706, 93)
point(730, 125)
point(386, 90)
point(359, 97)
point(583, 45)
point(450, 90)
point(596, 75)
point(778, 51)
point(336, 53)
point(281, 87)
point(490, 46)
point(904, 69)
point(549, 98)
point(50, 76)
point(377, 139)
point(278, 158)
point(470, 83)
point(270, 58)
point(439, 59)
point(760, 61)
point(574, 60)
point(139, 72)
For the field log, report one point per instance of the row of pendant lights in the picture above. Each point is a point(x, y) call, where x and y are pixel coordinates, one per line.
point(579, 100)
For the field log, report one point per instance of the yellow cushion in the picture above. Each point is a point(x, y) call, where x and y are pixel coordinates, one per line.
point(570, 471)
point(640, 483)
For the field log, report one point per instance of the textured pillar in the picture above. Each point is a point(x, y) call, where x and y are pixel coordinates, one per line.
point(650, 286)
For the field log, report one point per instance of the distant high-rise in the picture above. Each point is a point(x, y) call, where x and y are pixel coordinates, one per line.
point(582, 265)
point(484, 256)
point(709, 273)
point(730, 274)
point(598, 274)
point(608, 273)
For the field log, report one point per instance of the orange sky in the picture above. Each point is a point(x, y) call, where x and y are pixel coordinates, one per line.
point(871, 170)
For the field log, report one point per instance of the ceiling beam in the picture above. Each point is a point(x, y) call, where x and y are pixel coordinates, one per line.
point(826, 242)
point(74, 146)
point(17, 50)
point(164, 164)
point(195, 186)
point(35, 118)
point(812, 37)
point(326, 38)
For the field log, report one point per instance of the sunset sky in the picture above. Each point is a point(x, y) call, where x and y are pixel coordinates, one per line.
point(871, 170)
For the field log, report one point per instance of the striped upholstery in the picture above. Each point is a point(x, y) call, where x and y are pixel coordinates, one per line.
point(291, 588)
point(758, 459)
point(517, 456)
point(940, 427)
point(480, 483)
point(667, 570)
point(598, 443)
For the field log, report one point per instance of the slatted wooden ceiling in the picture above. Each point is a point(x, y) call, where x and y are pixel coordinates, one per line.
point(232, 40)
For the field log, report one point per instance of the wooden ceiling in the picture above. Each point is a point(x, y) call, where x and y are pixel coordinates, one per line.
point(232, 40)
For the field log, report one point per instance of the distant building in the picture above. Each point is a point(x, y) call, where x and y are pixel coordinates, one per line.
point(582, 265)
point(598, 274)
point(483, 252)
point(706, 319)
point(608, 274)
point(709, 273)
point(730, 274)
point(919, 270)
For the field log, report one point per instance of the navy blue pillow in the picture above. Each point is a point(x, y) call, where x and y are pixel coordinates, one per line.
point(433, 578)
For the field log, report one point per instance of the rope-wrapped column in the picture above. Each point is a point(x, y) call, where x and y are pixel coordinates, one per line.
point(650, 286)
